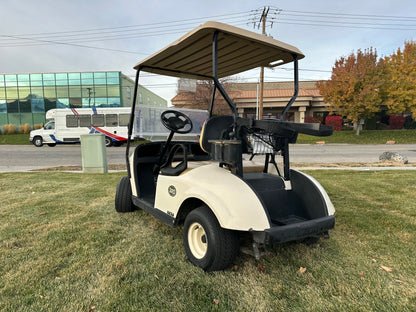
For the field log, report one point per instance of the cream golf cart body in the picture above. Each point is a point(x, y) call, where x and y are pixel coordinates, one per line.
point(213, 187)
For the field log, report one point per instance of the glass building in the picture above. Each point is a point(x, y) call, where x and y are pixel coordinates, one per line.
point(25, 98)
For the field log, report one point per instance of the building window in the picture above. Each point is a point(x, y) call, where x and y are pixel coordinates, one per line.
point(128, 92)
point(140, 98)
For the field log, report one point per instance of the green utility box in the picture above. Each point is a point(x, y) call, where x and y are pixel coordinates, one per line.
point(94, 153)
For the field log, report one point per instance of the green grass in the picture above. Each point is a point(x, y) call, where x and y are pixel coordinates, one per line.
point(64, 248)
point(14, 139)
point(365, 137)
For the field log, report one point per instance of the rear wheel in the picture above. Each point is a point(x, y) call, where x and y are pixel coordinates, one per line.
point(123, 202)
point(206, 243)
point(108, 141)
point(37, 141)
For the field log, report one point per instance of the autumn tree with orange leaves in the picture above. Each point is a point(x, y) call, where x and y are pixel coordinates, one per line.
point(400, 78)
point(353, 90)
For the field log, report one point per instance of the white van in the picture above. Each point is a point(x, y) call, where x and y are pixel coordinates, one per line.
point(68, 124)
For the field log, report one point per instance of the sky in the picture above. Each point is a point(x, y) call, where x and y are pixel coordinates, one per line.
point(104, 35)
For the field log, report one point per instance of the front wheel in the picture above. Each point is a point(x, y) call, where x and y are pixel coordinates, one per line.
point(207, 244)
point(123, 202)
point(37, 141)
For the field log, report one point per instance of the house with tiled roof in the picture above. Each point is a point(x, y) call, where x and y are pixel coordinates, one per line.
point(275, 97)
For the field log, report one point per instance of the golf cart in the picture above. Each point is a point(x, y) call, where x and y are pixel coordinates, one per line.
point(214, 187)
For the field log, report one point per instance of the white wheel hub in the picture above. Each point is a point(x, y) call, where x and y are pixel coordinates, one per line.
point(197, 240)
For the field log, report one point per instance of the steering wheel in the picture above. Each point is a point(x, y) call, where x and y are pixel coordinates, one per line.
point(176, 121)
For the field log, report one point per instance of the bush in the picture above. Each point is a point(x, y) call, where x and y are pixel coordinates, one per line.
point(335, 122)
point(310, 119)
point(9, 129)
point(409, 123)
point(27, 128)
point(37, 126)
point(396, 122)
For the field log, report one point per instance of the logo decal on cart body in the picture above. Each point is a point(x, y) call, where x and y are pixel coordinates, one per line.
point(172, 191)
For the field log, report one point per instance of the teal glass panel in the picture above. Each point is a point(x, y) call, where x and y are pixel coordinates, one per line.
point(13, 118)
point(114, 102)
point(74, 79)
point(3, 107)
point(36, 92)
point(12, 106)
point(75, 102)
point(61, 79)
point(48, 79)
point(2, 84)
point(100, 91)
point(62, 103)
point(62, 91)
point(26, 118)
point(74, 91)
point(11, 93)
point(38, 106)
point(50, 104)
point(101, 102)
point(38, 118)
point(100, 79)
point(113, 91)
point(3, 119)
point(36, 80)
point(88, 91)
point(113, 81)
point(23, 80)
point(10, 80)
point(87, 79)
point(25, 106)
point(88, 102)
point(49, 92)
point(2, 93)
point(24, 92)
point(113, 78)
point(113, 74)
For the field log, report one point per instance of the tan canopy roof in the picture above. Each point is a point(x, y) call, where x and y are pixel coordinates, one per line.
point(238, 50)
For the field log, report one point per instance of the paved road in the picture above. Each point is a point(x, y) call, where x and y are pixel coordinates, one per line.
point(28, 157)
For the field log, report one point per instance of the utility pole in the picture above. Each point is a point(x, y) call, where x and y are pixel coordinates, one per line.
point(263, 19)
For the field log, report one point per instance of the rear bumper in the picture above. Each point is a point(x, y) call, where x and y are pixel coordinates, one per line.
point(300, 230)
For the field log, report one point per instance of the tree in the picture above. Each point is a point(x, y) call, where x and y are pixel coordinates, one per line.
point(400, 75)
point(200, 98)
point(353, 90)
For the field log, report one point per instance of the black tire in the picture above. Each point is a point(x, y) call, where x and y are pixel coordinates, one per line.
point(123, 202)
point(207, 244)
point(51, 144)
point(38, 141)
point(108, 141)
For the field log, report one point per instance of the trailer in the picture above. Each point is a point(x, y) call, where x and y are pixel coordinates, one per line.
point(236, 181)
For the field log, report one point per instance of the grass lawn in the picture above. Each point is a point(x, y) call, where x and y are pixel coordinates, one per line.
point(14, 139)
point(365, 137)
point(64, 248)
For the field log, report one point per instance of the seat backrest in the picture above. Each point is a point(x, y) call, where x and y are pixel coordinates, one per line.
point(215, 128)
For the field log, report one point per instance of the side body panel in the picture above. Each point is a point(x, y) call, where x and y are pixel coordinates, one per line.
point(233, 202)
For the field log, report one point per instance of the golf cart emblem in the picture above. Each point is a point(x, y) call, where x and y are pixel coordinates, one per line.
point(172, 191)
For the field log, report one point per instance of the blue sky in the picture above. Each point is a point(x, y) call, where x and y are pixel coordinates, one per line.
point(52, 35)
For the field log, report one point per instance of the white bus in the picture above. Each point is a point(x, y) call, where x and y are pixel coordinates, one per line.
point(68, 124)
